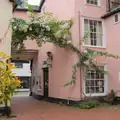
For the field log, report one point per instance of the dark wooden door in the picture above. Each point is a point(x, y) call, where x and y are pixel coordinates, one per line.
point(45, 77)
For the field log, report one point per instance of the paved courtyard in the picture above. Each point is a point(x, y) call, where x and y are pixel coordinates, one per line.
point(28, 108)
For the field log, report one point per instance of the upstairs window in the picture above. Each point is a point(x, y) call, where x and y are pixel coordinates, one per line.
point(93, 2)
point(95, 33)
point(116, 18)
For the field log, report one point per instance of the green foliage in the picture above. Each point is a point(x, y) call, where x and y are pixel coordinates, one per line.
point(44, 28)
point(30, 8)
point(88, 104)
point(110, 98)
point(101, 53)
point(8, 81)
point(72, 82)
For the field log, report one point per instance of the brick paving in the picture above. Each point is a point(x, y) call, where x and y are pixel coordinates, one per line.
point(28, 108)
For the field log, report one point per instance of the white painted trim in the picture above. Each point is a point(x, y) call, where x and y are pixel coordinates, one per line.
point(85, 2)
point(106, 79)
point(103, 27)
point(82, 27)
point(91, 46)
point(95, 94)
point(98, 5)
point(104, 34)
point(105, 86)
point(91, 18)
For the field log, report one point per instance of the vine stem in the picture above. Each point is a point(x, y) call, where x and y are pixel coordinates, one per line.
point(79, 54)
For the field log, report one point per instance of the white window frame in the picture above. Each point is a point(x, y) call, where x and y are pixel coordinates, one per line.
point(98, 5)
point(103, 28)
point(105, 86)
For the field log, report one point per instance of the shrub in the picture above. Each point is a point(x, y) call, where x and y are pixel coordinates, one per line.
point(8, 81)
point(110, 98)
point(88, 104)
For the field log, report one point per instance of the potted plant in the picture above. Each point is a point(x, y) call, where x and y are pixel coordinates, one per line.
point(8, 83)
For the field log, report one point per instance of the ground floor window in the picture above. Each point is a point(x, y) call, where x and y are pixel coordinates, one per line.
point(94, 82)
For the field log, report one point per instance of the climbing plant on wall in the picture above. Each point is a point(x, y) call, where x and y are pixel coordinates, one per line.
point(45, 28)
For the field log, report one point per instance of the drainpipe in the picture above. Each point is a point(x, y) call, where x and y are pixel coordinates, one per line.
point(80, 48)
point(108, 5)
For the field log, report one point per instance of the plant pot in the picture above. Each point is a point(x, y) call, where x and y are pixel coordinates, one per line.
point(5, 110)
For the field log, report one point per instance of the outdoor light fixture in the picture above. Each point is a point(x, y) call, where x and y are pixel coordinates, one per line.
point(49, 59)
point(50, 55)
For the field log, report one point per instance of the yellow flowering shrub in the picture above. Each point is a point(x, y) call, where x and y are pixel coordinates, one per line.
point(8, 81)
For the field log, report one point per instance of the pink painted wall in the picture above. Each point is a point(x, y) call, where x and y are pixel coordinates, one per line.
point(63, 59)
point(61, 70)
point(111, 34)
point(89, 10)
point(113, 43)
point(29, 44)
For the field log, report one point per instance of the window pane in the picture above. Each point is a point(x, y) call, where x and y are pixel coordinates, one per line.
point(116, 18)
point(35, 4)
point(94, 2)
point(94, 81)
point(99, 39)
point(96, 33)
point(23, 6)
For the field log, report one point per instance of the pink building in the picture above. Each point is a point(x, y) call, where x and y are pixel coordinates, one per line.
point(103, 17)
point(5, 33)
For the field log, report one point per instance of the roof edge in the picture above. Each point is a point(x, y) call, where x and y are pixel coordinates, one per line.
point(12, 0)
point(110, 13)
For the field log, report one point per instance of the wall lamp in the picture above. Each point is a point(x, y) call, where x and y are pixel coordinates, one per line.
point(50, 55)
point(49, 58)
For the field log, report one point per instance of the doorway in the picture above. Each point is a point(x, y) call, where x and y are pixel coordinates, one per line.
point(45, 78)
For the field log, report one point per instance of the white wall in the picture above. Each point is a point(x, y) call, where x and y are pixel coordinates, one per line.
point(23, 72)
point(5, 17)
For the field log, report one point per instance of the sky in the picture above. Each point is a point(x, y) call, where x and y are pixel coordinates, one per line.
point(34, 2)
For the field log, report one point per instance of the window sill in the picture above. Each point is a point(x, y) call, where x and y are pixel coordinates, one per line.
point(90, 46)
point(96, 94)
point(116, 22)
point(92, 5)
